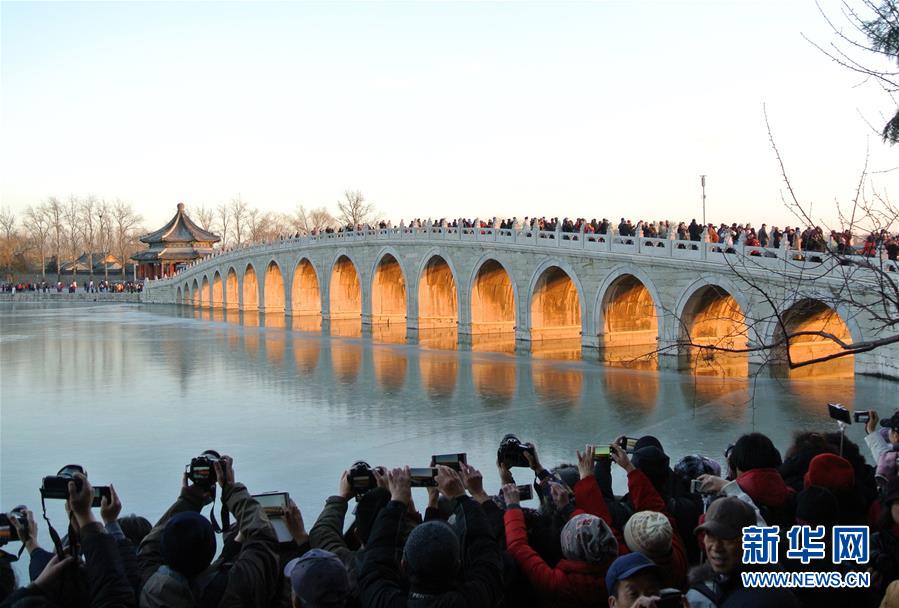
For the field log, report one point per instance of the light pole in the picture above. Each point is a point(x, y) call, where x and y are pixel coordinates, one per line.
point(702, 181)
point(105, 253)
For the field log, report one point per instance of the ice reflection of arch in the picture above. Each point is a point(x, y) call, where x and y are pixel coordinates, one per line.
point(250, 289)
point(232, 290)
point(218, 296)
point(388, 290)
point(179, 297)
point(204, 292)
point(346, 359)
point(344, 289)
point(628, 315)
point(305, 355)
point(494, 297)
point(438, 373)
point(712, 314)
point(557, 385)
point(556, 302)
point(306, 296)
point(814, 315)
point(273, 288)
point(438, 299)
point(390, 368)
point(195, 294)
point(494, 379)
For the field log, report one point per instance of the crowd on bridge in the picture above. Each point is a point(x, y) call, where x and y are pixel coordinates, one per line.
point(89, 286)
point(682, 535)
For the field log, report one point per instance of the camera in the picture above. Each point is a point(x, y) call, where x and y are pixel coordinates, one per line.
point(862, 417)
point(839, 413)
point(201, 470)
point(512, 452)
point(423, 478)
point(669, 598)
point(628, 444)
point(56, 487)
point(695, 485)
point(362, 478)
point(8, 532)
point(453, 461)
point(602, 451)
point(525, 492)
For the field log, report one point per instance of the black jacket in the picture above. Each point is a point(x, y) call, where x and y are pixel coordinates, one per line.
point(481, 581)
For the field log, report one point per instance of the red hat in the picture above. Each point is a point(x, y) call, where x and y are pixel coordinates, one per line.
point(830, 471)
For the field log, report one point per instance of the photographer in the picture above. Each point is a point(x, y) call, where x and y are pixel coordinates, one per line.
point(441, 569)
point(107, 584)
point(181, 546)
point(885, 451)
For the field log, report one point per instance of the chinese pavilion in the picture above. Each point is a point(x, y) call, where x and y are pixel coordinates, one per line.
point(179, 242)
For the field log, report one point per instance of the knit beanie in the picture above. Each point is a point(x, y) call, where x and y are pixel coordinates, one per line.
point(188, 543)
point(649, 533)
point(830, 471)
point(589, 539)
point(432, 551)
point(816, 506)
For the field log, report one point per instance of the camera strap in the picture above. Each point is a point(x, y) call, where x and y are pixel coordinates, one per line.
point(223, 513)
point(54, 535)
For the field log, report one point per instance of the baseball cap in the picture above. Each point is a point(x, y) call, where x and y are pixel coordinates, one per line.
point(318, 579)
point(627, 566)
point(727, 517)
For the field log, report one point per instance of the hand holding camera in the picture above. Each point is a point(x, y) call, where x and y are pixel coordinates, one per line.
point(345, 489)
point(81, 498)
point(620, 456)
point(293, 519)
point(708, 484)
point(110, 506)
point(510, 494)
point(505, 474)
point(449, 483)
point(224, 471)
point(22, 521)
point(560, 494)
point(585, 461)
point(399, 485)
point(871, 424)
point(474, 482)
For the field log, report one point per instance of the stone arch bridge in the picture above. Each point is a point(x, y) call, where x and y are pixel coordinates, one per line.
point(619, 297)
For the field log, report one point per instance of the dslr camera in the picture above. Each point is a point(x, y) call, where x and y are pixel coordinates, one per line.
point(362, 478)
point(8, 532)
point(511, 452)
point(56, 487)
point(201, 470)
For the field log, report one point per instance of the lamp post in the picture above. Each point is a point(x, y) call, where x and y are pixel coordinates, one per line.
point(702, 181)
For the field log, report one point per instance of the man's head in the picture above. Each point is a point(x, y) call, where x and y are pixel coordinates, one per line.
point(892, 423)
point(723, 528)
point(318, 579)
point(630, 577)
point(188, 543)
point(431, 556)
point(754, 451)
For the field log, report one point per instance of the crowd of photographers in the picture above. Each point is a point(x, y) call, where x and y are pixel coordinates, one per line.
point(674, 539)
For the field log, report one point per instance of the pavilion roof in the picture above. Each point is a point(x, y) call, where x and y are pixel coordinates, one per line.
point(180, 229)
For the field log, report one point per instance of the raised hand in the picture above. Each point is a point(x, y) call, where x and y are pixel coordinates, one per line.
point(510, 494)
point(224, 471)
point(560, 495)
point(80, 501)
point(505, 474)
point(110, 507)
point(585, 462)
point(620, 457)
point(345, 489)
point(293, 519)
point(399, 486)
point(532, 457)
point(449, 482)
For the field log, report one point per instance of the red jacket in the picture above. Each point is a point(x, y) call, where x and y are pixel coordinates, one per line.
point(571, 583)
point(645, 497)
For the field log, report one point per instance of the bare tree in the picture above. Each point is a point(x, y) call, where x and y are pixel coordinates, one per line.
point(354, 210)
point(55, 217)
point(7, 222)
point(873, 34)
point(9, 245)
point(88, 218)
point(104, 231)
point(239, 214)
point(71, 213)
point(204, 216)
point(313, 220)
point(124, 223)
point(38, 225)
point(224, 220)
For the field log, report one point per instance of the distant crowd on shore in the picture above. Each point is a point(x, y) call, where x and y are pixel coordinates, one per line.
point(72, 286)
point(692, 534)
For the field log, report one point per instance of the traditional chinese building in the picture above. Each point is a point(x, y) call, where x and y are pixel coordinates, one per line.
point(179, 242)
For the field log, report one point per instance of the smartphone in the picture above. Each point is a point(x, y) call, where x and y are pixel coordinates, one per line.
point(862, 417)
point(525, 492)
point(628, 444)
point(423, 477)
point(670, 598)
point(452, 461)
point(838, 412)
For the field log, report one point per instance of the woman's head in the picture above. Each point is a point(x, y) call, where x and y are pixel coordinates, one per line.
point(587, 538)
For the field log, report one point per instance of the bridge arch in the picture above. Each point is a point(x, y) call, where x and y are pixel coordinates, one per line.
point(438, 292)
point(273, 288)
point(232, 290)
point(250, 293)
point(344, 289)
point(306, 296)
point(204, 292)
point(713, 313)
point(629, 315)
point(179, 298)
point(195, 294)
point(555, 302)
point(217, 290)
point(388, 289)
point(815, 314)
point(494, 297)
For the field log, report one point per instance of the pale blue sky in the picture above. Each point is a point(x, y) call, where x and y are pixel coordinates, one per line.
point(442, 109)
